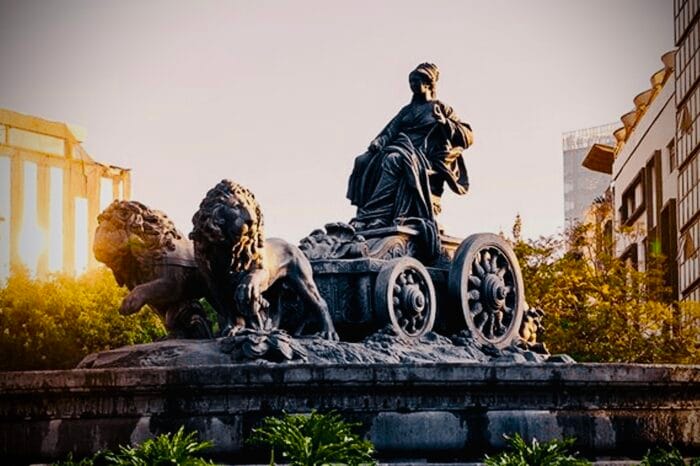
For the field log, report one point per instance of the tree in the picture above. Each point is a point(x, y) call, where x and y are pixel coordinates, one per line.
point(53, 323)
point(598, 308)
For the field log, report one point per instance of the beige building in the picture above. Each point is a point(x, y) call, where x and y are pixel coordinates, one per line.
point(687, 108)
point(644, 172)
point(51, 192)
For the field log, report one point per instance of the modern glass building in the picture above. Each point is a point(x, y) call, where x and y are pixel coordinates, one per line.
point(581, 185)
point(687, 78)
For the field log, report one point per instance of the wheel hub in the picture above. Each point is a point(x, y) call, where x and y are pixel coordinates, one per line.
point(494, 291)
point(413, 299)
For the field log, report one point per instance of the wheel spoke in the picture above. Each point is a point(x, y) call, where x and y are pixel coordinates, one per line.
point(474, 295)
point(488, 327)
point(474, 280)
point(477, 308)
point(486, 261)
point(502, 271)
point(494, 264)
point(480, 320)
point(479, 269)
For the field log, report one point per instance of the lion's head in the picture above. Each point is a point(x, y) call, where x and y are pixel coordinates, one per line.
point(230, 218)
point(130, 234)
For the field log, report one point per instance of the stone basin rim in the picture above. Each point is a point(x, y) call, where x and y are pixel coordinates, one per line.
point(377, 374)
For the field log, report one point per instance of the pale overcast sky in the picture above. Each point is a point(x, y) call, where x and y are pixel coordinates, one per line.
point(281, 96)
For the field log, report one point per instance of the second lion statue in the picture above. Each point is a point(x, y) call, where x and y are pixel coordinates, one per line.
point(239, 265)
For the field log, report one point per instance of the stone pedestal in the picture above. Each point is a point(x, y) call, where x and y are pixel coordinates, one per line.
point(439, 412)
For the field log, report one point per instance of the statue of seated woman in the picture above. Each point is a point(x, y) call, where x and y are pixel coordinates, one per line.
point(403, 173)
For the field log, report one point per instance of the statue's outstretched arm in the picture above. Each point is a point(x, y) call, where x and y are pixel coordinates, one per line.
point(151, 292)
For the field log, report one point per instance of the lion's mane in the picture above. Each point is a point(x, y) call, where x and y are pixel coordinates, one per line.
point(129, 230)
point(211, 229)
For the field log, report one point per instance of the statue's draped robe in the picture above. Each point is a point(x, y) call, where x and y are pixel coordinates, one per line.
point(405, 177)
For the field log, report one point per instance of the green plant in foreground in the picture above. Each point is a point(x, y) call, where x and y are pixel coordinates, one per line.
point(663, 457)
point(314, 439)
point(89, 461)
point(164, 450)
point(552, 453)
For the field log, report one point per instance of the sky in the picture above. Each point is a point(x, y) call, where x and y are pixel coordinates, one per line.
point(281, 96)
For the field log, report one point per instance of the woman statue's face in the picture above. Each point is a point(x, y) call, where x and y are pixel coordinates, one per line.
point(420, 84)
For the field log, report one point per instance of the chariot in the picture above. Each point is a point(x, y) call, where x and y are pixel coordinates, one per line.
point(473, 285)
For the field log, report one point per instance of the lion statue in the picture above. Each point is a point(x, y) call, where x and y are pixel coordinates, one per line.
point(243, 269)
point(156, 263)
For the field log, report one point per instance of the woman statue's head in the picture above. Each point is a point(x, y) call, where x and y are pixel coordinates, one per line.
point(423, 80)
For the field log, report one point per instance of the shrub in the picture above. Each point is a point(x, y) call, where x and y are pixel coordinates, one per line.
point(314, 439)
point(164, 450)
point(552, 453)
point(664, 457)
point(53, 323)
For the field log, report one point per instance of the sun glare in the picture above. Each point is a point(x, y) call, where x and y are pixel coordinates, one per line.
point(81, 235)
point(106, 192)
point(56, 220)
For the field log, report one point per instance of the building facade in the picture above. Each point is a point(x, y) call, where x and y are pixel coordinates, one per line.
point(582, 186)
point(51, 192)
point(687, 141)
point(645, 176)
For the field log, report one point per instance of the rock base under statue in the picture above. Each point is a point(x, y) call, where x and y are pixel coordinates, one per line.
point(381, 347)
point(411, 412)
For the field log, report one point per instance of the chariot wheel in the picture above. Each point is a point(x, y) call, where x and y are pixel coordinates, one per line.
point(404, 296)
point(486, 285)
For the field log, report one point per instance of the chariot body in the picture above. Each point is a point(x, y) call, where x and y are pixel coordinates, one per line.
point(381, 277)
point(393, 265)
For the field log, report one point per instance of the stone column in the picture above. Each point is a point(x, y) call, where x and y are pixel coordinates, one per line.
point(126, 189)
point(16, 206)
point(115, 187)
point(68, 220)
point(93, 196)
point(43, 205)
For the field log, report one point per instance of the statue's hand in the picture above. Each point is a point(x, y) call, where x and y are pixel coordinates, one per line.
point(439, 115)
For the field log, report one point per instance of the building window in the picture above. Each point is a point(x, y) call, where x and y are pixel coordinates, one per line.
point(631, 256)
point(671, 156)
point(689, 247)
point(633, 200)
